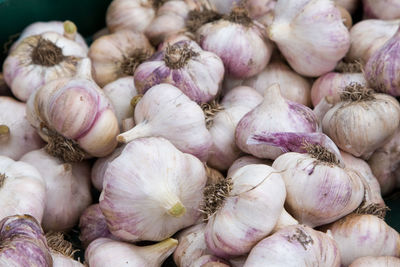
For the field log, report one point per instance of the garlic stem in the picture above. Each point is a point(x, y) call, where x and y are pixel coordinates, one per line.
point(273, 96)
point(159, 252)
point(69, 30)
point(4, 132)
point(84, 69)
point(140, 130)
point(279, 31)
point(177, 210)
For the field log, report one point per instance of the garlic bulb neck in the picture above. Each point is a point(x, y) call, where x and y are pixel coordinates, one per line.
point(240, 15)
point(177, 56)
point(356, 93)
point(70, 30)
point(2, 179)
point(214, 196)
point(177, 210)
point(4, 132)
point(349, 67)
point(322, 154)
point(210, 110)
point(142, 129)
point(130, 63)
point(157, 253)
point(58, 244)
point(197, 18)
point(46, 53)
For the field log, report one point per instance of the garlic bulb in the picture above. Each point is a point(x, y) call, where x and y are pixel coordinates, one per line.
point(224, 6)
point(362, 121)
point(367, 36)
point(382, 68)
point(59, 27)
point(242, 209)
point(156, 194)
point(74, 116)
point(61, 250)
point(384, 10)
point(246, 160)
point(67, 189)
point(238, 41)
point(17, 136)
point(39, 59)
point(124, 254)
point(165, 112)
point(311, 43)
point(209, 261)
point(349, 5)
point(319, 191)
point(23, 242)
point(197, 73)
point(369, 261)
point(121, 92)
point(295, 246)
point(118, 55)
point(235, 105)
point(364, 235)
point(274, 115)
point(22, 189)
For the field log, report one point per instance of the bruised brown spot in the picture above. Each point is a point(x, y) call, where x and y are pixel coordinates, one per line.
point(46, 53)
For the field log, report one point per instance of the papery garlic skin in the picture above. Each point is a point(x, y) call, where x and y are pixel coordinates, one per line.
point(24, 74)
point(23, 242)
point(259, 8)
point(236, 104)
point(246, 160)
point(164, 111)
point(174, 38)
point(67, 189)
point(197, 73)
point(372, 236)
point(117, 55)
point(123, 254)
point(370, 261)
point(249, 212)
point(60, 260)
point(17, 136)
point(295, 246)
point(160, 179)
point(22, 189)
point(224, 6)
point(318, 192)
point(384, 9)
point(209, 261)
point(310, 34)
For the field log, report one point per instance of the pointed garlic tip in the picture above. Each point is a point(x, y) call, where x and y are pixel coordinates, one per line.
point(69, 30)
point(177, 210)
point(140, 130)
point(279, 31)
point(157, 253)
point(346, 17)
point(273, 94)
point(4, 132)
point(285, 219)
point(84, 69)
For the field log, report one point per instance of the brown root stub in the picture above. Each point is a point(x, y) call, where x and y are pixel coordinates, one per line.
point(302, 237)
point(210, 110)
point(321, 153)
point(214, 196)
point(176, 56)
point(197, 18)
point(131, 62)
point(239, 15)
point(349, 67)
point(46, 53)
point(57, 243)
point(356, 92)
point(2, 179)
point(372, 209)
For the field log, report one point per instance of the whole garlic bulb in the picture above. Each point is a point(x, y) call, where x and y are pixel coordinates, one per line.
point(274, 115)
point(67, 189)
point(117, 55)
point(364, 235)
point(384, 9)
point(242, 209)
point(22, 189)
point(370, 261)
point(197, 73)
point(362, 121)
point(17, 136)
point(295, 246)
point(319, 191)
point(39, 59)
point(74, 116)
point(310, 34)
point(156, 194)
point(165, 112)
point(125, 254)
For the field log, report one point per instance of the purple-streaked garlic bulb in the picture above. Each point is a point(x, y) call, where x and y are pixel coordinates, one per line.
point(39, 59)
point(274, 115)
point(368, 36)
point(23, 243)
point(242, 209)
point(362, 121)
point(93, 225)
point(384, 9)
point(164, 111)
point(246, 160)
point(22, 189)
point(222, 123)
point(381, 70)
point(61, 250)
point(210, 261)
point(197, 73)
point(67, 189)
point(370, 261)
point(238, 41)
point(124, 254)
point(364, 235)
point(17, 136)
point(74, 117)
point(295, 246)
point(152, 190)
point(117, 55)
point(310, 34)
point(38, 28)
point(319, 191)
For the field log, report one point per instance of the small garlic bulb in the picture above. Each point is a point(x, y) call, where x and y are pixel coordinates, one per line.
point(370, 261)
point(17, 136)
point(197, 73)
point(152, 190)
point(118, 55)
point(384, 9)
point(74, 116)
point(362, 121)
point(104, 252)
point(310, 34)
